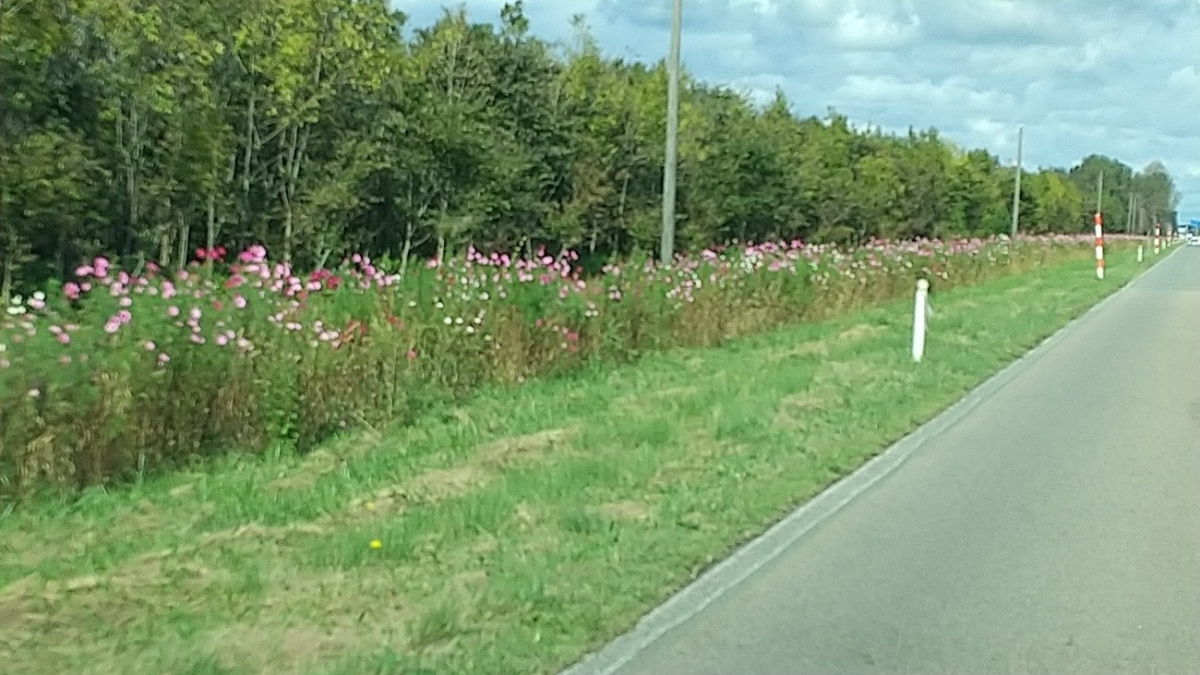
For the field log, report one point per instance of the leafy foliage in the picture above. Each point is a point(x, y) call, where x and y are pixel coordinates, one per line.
point(142, 130)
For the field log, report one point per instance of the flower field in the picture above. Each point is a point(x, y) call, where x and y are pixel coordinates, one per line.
point(120, 372)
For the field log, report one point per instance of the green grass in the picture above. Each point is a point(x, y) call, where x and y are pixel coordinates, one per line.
point(516, 532)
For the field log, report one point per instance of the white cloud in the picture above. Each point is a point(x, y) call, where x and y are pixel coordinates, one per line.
point(858, 30)
point(1116, 77)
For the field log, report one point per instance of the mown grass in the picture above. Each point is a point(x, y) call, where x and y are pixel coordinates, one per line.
point(516, 532)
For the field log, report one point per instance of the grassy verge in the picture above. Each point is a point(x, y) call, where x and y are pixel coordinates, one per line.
point(509, 535)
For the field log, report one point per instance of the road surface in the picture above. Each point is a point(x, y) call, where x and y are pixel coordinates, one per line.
point(1053, 529)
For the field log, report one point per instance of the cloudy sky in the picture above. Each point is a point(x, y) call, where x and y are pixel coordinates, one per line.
point(1115, 77)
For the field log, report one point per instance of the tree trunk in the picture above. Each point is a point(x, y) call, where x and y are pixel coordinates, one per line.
point(210, 238)
point(164, 250)
point(408, 240)
point(7, 284)
point(248, 155)
point(185, 234)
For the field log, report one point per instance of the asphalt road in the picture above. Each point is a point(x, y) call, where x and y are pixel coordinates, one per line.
point(1053, 529)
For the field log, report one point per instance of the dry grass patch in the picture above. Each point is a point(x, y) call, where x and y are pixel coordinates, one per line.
point(859, 333)
point(803, 350)
point(629, 510)
point(439, 485)
point(478, 471)
point(525, 449)
point(652, 400)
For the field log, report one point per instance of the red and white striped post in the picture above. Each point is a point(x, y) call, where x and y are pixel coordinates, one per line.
point(1099, 246)
point(1157, 238)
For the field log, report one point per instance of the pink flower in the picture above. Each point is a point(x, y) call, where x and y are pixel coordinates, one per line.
point(149, 346)
point(222, 340)
point(197, 338)
point(124, 316)
point(172, 311)
point(163, 358)
point(34, 393)
point(125, 301)
point(71, 290)
point(412, 354)
point(63, 338)
point(194, 314)
point(112, 326)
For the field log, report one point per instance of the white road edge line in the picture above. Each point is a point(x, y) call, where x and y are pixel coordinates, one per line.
point(761, 550)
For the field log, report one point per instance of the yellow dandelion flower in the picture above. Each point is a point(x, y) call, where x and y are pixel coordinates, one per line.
point(375, 543)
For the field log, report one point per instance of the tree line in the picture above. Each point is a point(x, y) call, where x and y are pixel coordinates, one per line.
point(143, 130)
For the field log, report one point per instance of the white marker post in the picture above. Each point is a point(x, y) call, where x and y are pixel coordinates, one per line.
point(920, 310)
point(1157, 238)
point(1139, 253)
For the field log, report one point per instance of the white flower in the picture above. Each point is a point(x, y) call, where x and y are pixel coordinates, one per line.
point(483, 295)
point(16, 300)
point(447, 321)
point(39, 296)
point(470, 330)
point(458, 320)
point(439, 305)
point(15, 310)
